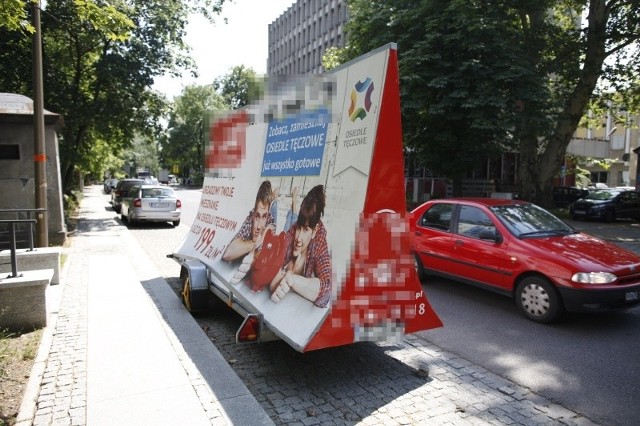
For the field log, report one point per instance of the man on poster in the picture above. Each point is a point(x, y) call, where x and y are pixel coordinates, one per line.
point(248, 240)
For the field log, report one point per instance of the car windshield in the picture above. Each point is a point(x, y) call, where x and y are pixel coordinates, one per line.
point(601, 195)
point(529, 220)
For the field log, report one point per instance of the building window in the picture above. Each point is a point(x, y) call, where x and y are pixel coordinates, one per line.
point(599, 177)
point(10, 152)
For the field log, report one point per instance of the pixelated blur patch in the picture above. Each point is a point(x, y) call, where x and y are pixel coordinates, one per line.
point(226, 147)
point(377, 299)
point(291, 96)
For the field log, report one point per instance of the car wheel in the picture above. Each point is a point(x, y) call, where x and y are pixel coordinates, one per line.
point(176, 223)
point(538, 300)
point(123, 218)
point(117, 209)
point(422, 275)
point(610, 216)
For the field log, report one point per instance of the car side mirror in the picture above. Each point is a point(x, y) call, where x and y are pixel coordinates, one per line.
point(490, 234)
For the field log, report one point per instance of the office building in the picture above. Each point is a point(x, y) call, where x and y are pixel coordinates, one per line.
point(300, 36)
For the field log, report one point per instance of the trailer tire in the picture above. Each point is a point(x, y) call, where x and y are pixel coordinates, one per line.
point(195, 301)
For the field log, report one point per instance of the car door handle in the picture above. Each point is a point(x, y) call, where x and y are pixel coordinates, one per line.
point(458, 243)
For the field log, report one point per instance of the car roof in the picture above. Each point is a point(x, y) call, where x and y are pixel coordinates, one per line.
point(151, 185)
point(489, 202)
point(129, 182)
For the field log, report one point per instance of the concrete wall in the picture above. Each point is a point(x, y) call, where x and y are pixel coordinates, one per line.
point(23, 304)
point(17, 177)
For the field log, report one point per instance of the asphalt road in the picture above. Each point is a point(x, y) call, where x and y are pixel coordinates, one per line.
point(589, 363)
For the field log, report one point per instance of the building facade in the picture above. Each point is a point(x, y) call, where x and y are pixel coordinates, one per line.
point(611, 145)
point(299, 37)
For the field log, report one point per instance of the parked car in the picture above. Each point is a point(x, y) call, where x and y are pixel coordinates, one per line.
point(518, 249)
point(109, 185)
point(121, 189)
point(151, 203)
point(563, 196)
point(607, 205)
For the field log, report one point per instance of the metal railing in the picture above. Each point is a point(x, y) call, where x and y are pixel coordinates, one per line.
point(12, 223)
point(12, 241)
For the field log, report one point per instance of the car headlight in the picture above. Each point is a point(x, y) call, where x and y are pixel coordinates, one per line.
point(593, 277)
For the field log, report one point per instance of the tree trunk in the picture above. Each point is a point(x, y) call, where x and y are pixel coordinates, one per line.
point(541, 160)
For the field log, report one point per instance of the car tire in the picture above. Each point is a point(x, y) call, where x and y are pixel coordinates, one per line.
point(176, 223)
point(123, 218)
point(422, 274)
point(610, 216)
point(117, 209)
point(538, 300)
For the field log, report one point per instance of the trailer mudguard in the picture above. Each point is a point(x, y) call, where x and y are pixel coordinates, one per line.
point(327, 151)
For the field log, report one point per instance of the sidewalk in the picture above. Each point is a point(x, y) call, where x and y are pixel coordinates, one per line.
point(119, 348)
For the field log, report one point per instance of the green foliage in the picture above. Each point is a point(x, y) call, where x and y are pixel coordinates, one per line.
point(478, 77)
point(183, 144)
point(458, 76)
point(13, 16)
point(460, 95)
point(143, 154)
point(100, 60)
point(239, 87)
point(333, 57)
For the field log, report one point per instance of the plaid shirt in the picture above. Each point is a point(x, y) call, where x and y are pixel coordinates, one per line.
point(245, 230)
point(318, 262)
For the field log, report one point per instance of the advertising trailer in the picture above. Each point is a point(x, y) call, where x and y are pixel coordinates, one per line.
point(302, 226)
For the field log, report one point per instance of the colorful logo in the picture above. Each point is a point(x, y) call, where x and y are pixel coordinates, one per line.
point(361, 88)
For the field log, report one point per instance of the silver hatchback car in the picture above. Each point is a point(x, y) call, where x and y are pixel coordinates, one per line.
point(151, 203)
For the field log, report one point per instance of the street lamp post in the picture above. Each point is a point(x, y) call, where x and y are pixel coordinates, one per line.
point(39, 153)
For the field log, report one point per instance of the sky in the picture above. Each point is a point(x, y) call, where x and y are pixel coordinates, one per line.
point(218, 47)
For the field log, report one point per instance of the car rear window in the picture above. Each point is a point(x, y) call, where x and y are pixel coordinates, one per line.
point(156, 192)
point(126, 184)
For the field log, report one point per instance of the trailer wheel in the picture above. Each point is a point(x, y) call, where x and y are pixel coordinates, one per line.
point(194, 301)
point(186, 291)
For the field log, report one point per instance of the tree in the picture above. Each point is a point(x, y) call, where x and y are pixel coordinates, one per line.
point(142, 154)
point(100, 60)
point(457, 77)
point(536, 62)
point(573, 59)
point(238, 88)
point(469, 86)
point(13, 15)
point(183, 143)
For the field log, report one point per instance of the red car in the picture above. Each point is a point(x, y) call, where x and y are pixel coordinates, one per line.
point(521, 250)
